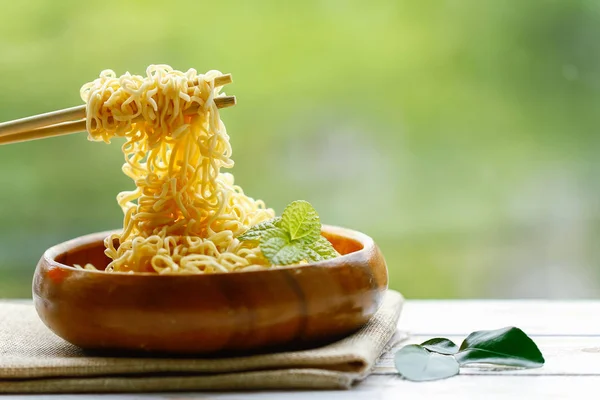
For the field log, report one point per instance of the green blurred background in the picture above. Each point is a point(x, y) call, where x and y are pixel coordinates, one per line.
point(461, 135)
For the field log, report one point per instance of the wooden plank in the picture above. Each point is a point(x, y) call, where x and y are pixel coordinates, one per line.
point(564, 356)
point(535, 317)
point(483, 387)
point(17, 301)
point(394, 388)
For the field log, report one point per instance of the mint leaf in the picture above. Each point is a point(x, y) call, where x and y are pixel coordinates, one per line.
point(321, 250)
point(301, 221)
point(507, 346)
point(293, 237)
point(441, 346)
point(279, 249)
point(256, 231)
point(415, 363)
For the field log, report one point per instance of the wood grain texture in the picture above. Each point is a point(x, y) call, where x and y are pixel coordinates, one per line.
point(536, 317)
point(228, 313)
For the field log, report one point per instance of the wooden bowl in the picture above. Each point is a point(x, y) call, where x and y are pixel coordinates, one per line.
point(238, 312)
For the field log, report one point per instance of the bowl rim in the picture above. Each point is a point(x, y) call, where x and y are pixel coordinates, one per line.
point(367, 243)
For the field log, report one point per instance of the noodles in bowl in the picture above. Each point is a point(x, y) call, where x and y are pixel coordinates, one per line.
point(162, 283)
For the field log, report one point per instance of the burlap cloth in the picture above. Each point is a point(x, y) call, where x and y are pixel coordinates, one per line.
point(34, 360)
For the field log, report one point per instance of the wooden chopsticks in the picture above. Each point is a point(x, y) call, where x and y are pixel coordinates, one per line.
point(65, 128)
point(72, 120)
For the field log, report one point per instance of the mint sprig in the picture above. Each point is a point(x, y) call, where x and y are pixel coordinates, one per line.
point(293, 237)
point(441, 358)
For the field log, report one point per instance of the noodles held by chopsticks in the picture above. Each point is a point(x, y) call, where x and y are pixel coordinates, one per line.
point(184, 214)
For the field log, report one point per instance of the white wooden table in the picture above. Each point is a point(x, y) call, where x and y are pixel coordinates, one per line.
point(567, 332)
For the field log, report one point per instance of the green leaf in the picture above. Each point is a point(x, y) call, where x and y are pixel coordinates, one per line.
point(294, 237)
point(415, 363)
point(256, 232)
point(277, 247)
point(507, 346)
point(321, 250)
point(440, 345)
point(301, 221)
